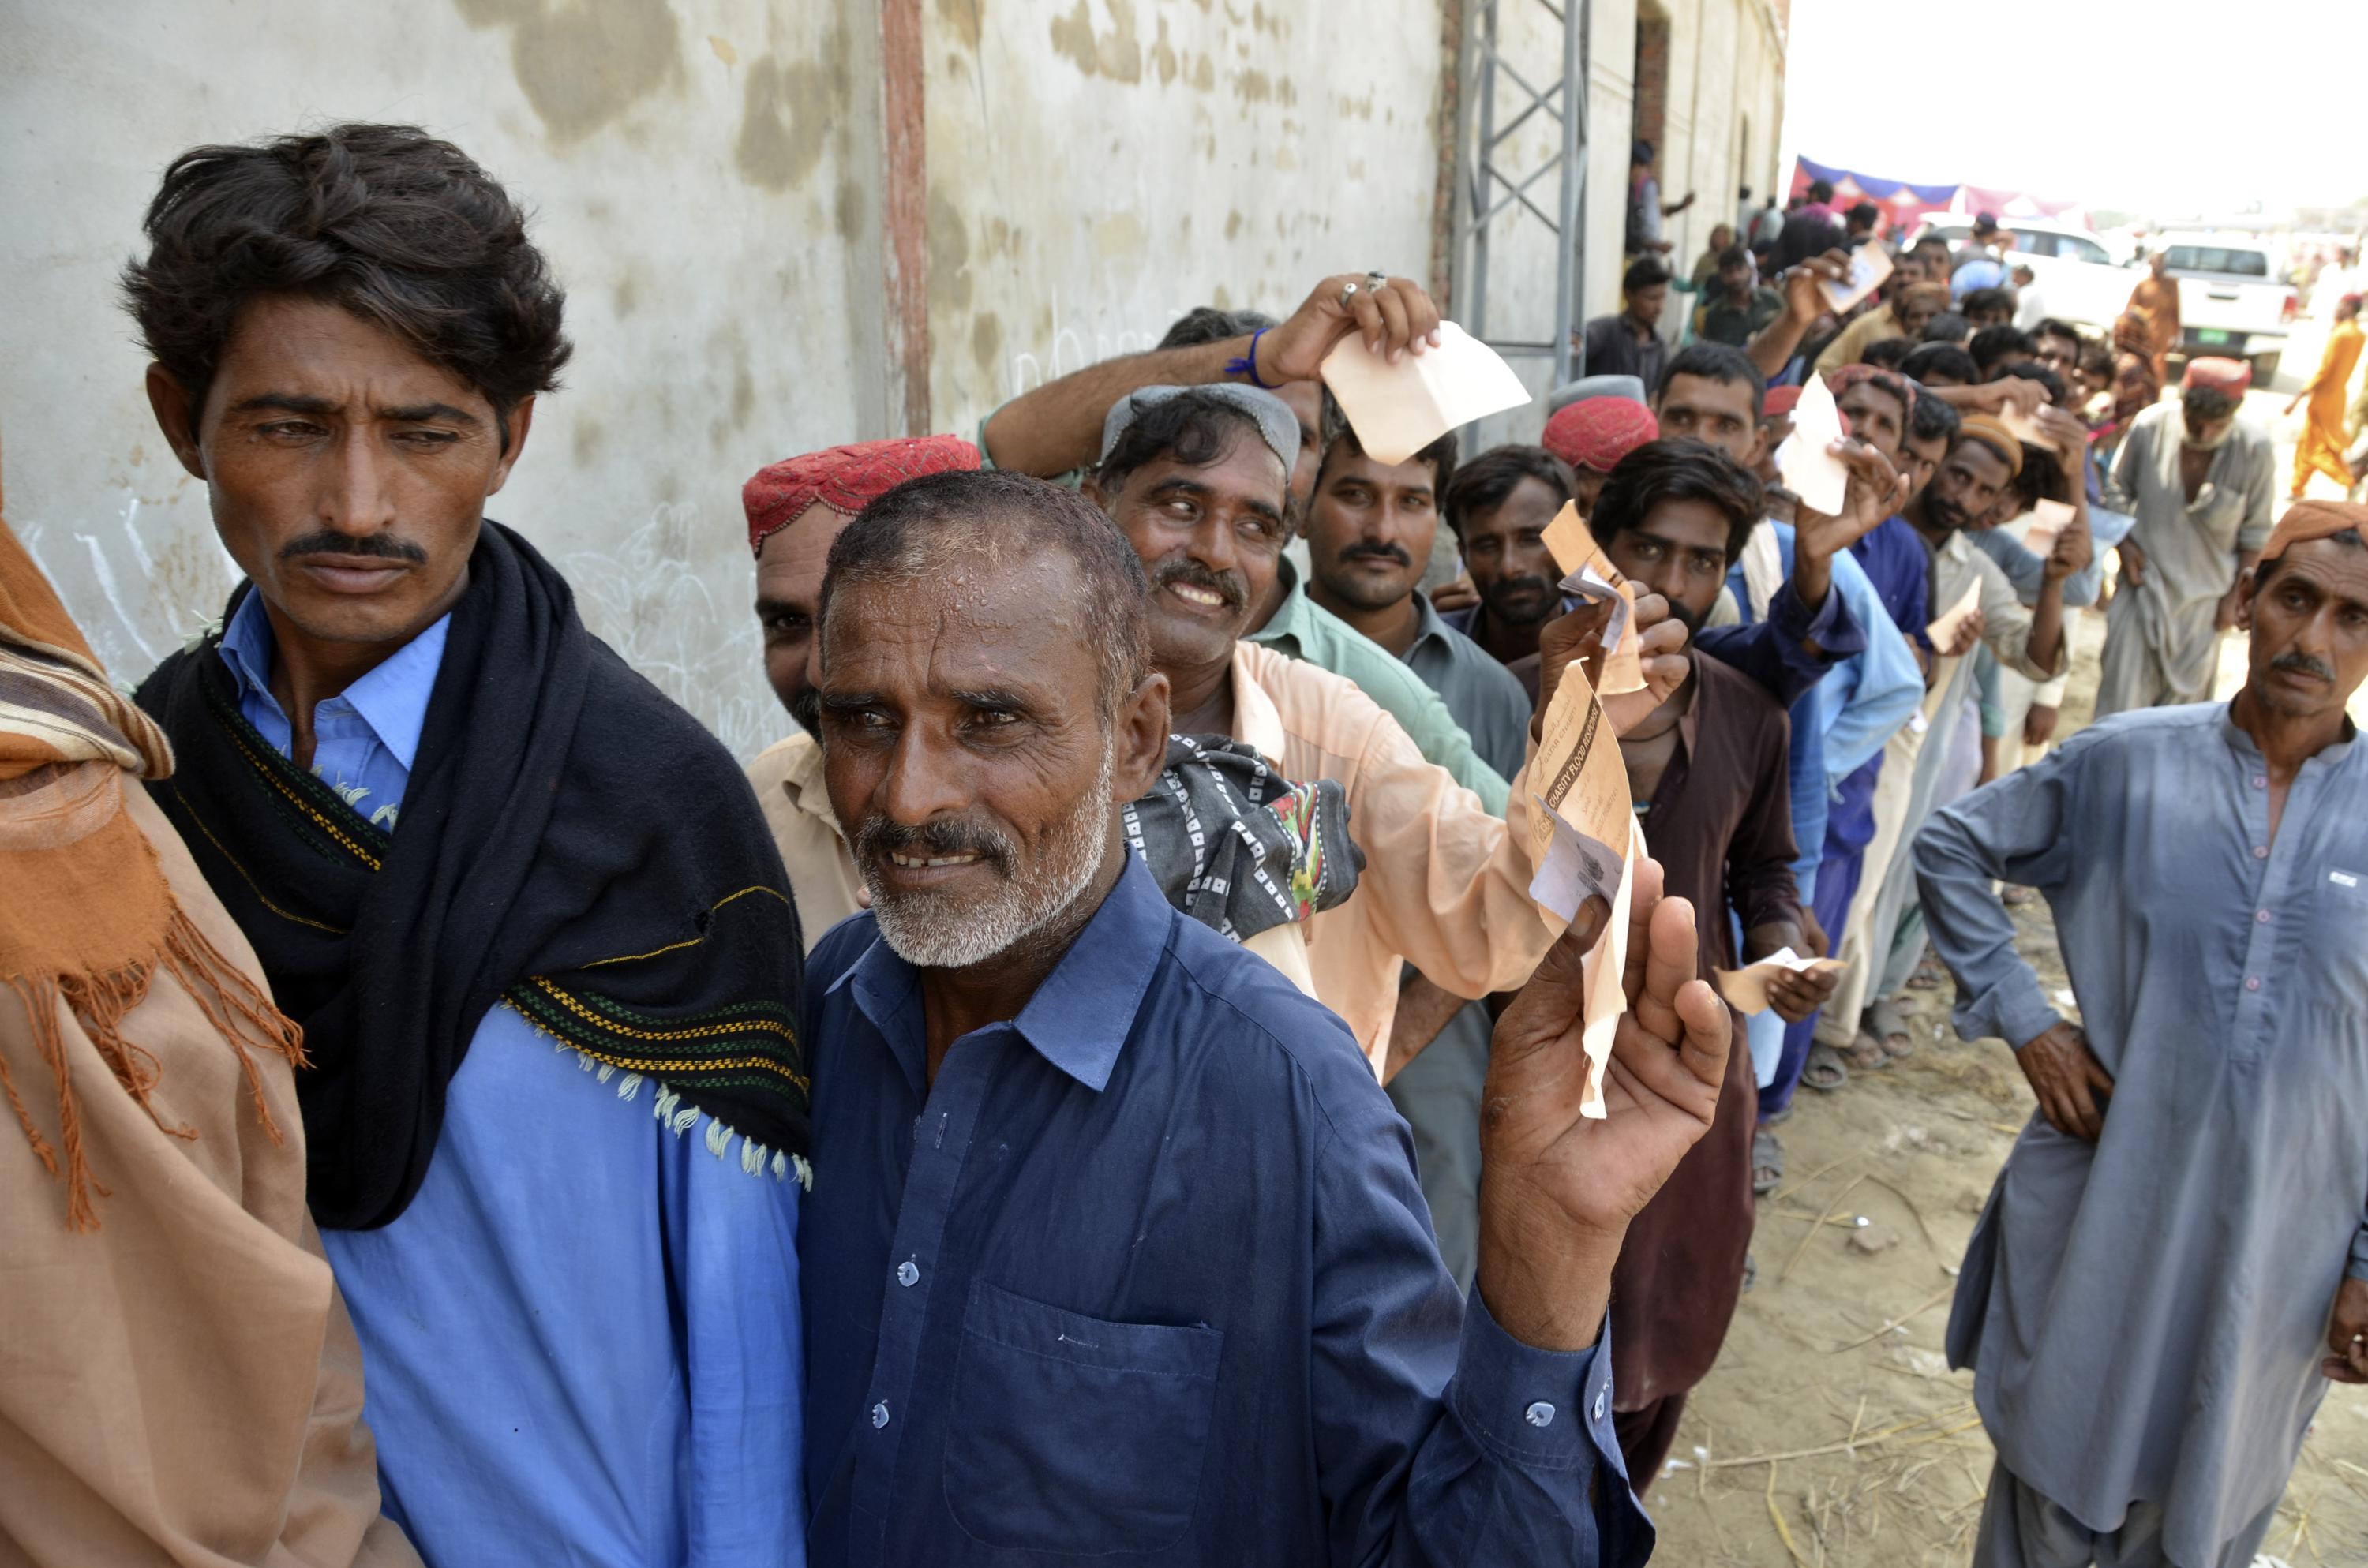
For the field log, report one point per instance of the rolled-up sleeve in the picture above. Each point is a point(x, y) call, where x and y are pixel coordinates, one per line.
point(1439, 1439)
point(2010, 831)
point(1776, 652)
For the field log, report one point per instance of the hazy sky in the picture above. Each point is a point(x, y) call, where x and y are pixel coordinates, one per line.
point(2161, 108)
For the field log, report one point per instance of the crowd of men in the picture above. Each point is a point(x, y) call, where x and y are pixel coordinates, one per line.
point(1103, 1085)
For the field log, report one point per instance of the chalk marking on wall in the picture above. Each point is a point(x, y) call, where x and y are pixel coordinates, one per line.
point(105, 574)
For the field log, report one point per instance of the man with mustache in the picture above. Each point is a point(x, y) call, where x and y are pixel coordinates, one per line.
point(2174, 1262)
point(1973, 480)
point(537, 938)
point(1194, 477)
point(2201, 480)
point(1054, 432)
point(1708, 770)
point(1120, 1249)
point(1498, 505)
point(1207, 810)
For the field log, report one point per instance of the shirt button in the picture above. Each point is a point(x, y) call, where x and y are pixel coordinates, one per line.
point(1540, 1414)
point(1598, 1404)
point(2252, 982)
point(2260, 781)
point(2262, 916)
point(906, 1275)
point(880, 1415)
point(2261, 851)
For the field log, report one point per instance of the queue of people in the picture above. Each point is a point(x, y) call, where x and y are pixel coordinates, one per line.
point(1103, 1085)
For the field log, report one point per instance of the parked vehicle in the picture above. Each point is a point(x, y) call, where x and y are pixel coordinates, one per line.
point(2074, 275)
point(2234, 299)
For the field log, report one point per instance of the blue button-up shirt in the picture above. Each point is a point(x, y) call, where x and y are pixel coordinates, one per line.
point(1146, 1276)
point(580, 1341)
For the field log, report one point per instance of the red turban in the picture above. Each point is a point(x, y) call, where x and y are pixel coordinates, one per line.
point(845, 479)
point(1778, 401)
point(1599, 431)
point(2230, 376)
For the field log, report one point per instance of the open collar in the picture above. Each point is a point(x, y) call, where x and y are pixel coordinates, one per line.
point(392, 698)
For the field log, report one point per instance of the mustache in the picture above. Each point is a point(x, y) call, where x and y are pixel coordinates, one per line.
point(878, 838)
point(386, 546)
point(1508, 589)
point(1377, 549)
point(1227, 586)
point(2302, 664)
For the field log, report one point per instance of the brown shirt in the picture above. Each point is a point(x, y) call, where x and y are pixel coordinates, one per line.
point(1720, 824)
point(182, 1384)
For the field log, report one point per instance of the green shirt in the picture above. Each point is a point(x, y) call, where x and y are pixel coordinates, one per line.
point(1723, 321)
point(1302, 628)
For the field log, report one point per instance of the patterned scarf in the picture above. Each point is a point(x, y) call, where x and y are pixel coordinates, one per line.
point(1236, 845)
point(87, 919)
point(573, 846)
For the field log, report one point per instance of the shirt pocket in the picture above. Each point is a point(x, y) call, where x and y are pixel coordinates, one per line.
point(1076, 1435)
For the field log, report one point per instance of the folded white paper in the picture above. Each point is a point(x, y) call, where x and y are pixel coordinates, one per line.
point(1811, 472)
point(1746, 988)
point(1397, 410)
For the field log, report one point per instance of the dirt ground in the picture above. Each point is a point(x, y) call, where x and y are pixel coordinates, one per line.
point(1831, 1431)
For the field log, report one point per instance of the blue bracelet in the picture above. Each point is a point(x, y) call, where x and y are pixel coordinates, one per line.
point(1247, 364)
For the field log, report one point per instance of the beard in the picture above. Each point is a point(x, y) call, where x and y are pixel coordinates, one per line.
point(933, 929)
point(1523, 601)
point(2214, 444)
point(806, 708)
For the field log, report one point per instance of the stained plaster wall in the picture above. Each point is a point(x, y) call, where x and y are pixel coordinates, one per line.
point(701, 174)
point(1097, 167)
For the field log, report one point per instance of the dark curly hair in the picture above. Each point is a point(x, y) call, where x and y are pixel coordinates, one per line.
point(384, 221)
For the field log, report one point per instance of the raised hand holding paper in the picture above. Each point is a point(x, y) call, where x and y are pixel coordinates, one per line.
point(1397, 410)
point(1869, 264)
point(2047, 520)
point(1820, 478)
point(1746, 989)
point(1588, 573)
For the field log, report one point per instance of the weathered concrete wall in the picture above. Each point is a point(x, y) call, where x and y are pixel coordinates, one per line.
point(701, 173)
point(715, 184)
point(1097, 167)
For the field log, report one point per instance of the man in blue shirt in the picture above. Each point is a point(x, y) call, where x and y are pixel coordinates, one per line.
point(524, 907)
point(1118, 1246)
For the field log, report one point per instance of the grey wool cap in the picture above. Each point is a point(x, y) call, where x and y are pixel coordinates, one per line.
point(1275, 422)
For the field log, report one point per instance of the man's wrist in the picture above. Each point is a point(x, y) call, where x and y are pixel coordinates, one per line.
point(1546, 1279)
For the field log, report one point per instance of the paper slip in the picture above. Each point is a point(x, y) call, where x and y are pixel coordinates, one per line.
point(2025, 428)
point(1588, 573)
point(1746, 988)
point(1943, 631)
point(1582, 813)
point(1397, 410)
point(1811, 472)
point(2048, 520)
point(1869, 264)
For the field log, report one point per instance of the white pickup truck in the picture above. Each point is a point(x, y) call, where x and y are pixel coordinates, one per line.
point(2234, 299)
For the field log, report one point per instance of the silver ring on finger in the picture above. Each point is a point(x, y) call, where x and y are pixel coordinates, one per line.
point(1346, 294)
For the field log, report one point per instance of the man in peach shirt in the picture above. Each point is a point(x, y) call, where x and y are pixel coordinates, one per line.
point(1197, 478)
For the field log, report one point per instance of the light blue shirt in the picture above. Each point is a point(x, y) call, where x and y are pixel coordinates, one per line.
point(1838, 724)
point(581, 1342)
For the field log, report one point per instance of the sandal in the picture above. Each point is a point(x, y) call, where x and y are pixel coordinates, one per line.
point(1927, 975)
point(2016, 896)
point(1825, 1070)
point(1886, 1028)
point(1766, 1163)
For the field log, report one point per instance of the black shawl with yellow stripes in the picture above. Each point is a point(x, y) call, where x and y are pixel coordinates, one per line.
point(572, 845)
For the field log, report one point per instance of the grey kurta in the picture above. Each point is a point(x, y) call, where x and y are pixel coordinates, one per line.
point(2159, 641)
point(2145, 1316)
